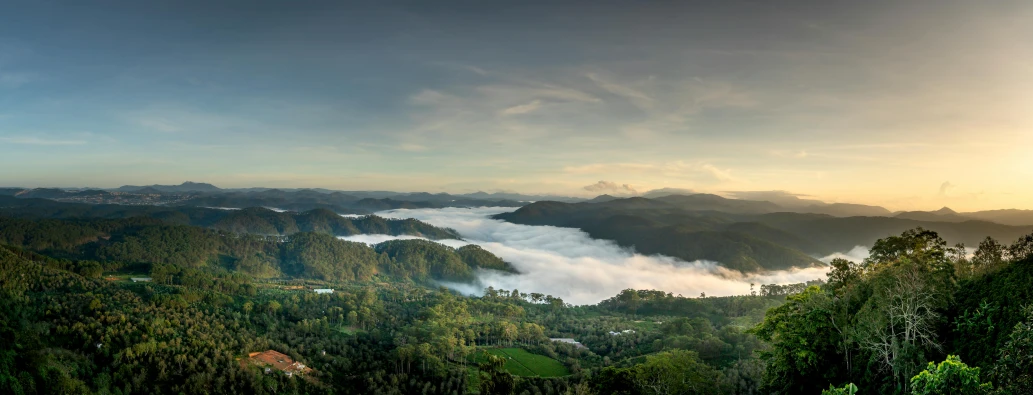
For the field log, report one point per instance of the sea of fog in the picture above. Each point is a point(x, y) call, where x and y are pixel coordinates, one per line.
point(567, 263)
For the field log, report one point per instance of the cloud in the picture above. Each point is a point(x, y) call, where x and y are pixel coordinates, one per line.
point(567, 263)
point(160, 124)
point(428, 97)
point(40, 141)
point(946, 188)
point(640, 98)
point(856, 255)
point(717, 173)
point(523, 108)
point(717, 94)
point(609, 186)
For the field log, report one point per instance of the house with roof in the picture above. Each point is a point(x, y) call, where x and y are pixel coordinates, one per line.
point(273, 360)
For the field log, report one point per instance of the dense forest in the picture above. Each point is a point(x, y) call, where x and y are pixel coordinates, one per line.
point(917, 317)
point(253, 220)
point(207, 195)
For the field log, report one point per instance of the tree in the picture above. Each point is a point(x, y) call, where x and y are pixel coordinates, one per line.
point(950, 377)
point(273, 307)
point(990, 254)
point(898, 323)
point(1013, 371)
point(495, 380)
point(248, 306)
point(803, 341)
point(677, 372)
point(843, 274)
point(849, 389)
point(614, 381)
point(1022, 248)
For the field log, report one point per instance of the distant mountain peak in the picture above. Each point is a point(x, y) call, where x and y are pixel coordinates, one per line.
point(945, 210)
point(602, 199)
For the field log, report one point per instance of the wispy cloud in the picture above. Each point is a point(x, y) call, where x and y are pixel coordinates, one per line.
point(522, 108)
point(628, 92)
point(409, 147)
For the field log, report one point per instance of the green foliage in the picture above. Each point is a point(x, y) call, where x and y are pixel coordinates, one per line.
point(848, 389)
point(475, 256)
point(803, 340)
point(519, 362)
point(494, 378)
point(1013, 370)
point(324, 257)
point(254, 220)
point(990, 255)
point(677, 372)
point(1022, 249)
point(950, 377)
point(423, 259)
point(183, 254)
point(997, 299)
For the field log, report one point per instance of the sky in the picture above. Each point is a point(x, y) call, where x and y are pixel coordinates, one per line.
point(908, 105)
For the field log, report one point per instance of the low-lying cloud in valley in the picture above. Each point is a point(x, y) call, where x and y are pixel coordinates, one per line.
point(567, 263)
point(856, 254)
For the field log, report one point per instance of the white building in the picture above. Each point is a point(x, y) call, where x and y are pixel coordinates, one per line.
point(626, 331)
point(140, 279)
point(568, 340)
point(323, 290)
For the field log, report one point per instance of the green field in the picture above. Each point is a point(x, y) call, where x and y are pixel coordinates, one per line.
point(523, 363)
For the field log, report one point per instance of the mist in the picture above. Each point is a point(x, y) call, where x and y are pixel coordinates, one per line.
point(567, 263)
point(856, 254)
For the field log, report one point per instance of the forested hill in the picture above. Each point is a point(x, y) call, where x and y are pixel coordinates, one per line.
point(255, 220)
point(172, 253)
point(742, 235)
point(356, 202)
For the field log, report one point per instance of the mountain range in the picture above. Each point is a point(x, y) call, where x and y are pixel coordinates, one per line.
point(748, 235)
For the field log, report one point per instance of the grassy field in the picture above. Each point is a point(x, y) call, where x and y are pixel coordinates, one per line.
point(523, 363)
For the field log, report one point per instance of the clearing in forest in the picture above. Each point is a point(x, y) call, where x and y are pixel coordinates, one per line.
point(522, 363)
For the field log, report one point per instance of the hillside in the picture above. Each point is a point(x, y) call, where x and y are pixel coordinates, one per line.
point(1007, 217)
point(653, 227)
point(254, 220)
point(173, 250)
point(742, 234)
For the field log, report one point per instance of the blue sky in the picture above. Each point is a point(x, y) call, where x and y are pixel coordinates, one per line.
point(905, 104)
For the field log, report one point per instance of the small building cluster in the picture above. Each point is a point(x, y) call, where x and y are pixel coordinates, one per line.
point(274, 360)
point(624, 332)
point(324, 290)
